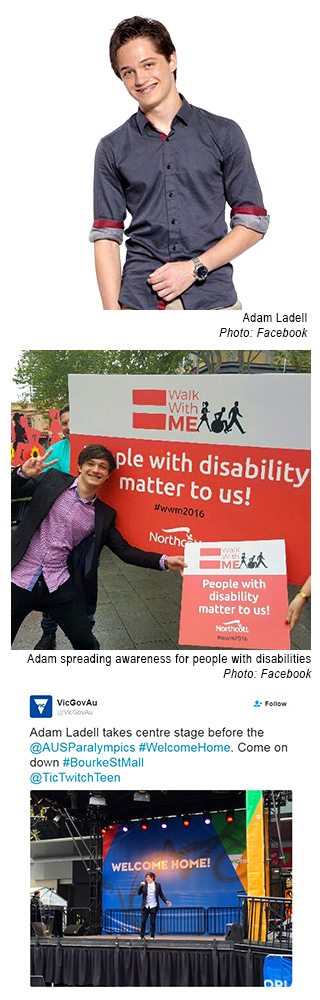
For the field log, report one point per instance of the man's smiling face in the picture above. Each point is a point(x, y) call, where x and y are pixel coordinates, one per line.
point(94, 473)
point(146, 73)
point(65, 423)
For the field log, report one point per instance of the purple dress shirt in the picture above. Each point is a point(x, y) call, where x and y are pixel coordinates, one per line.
point(69, 520)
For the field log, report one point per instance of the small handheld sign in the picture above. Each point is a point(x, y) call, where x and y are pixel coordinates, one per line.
point(235, 595)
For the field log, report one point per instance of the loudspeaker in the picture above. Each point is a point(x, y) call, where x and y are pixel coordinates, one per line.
point(39, 928)
point(74, 930)
point(235, 933)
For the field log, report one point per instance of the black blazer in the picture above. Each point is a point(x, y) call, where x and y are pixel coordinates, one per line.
point(83, 559)
point(144, 889)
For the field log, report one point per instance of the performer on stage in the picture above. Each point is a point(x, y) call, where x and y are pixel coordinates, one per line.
point(151, 892)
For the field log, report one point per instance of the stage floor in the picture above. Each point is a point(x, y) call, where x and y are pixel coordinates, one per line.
point(123, 941)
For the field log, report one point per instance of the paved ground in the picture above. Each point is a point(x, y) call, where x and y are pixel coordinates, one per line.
point(139, 609)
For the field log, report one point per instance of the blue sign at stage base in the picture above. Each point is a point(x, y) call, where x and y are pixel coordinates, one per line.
point(277, 970)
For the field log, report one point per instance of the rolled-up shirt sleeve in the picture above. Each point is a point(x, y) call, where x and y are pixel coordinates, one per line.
point(242, 189)
point(109, 201)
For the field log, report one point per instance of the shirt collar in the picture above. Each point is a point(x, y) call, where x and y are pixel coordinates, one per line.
point(74, 486)
point(183, 114)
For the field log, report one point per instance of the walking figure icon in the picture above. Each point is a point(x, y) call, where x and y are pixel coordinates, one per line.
point(233, 415)
point(204, 415)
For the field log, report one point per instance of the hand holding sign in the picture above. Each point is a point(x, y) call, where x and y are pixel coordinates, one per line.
point(297, 603)
point(176, 563)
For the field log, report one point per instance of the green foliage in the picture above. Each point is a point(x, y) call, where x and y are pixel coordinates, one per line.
point(299, 360)
point(214, 359)
point(43, 375)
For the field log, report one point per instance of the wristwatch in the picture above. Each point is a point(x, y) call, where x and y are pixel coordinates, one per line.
point(200, 271)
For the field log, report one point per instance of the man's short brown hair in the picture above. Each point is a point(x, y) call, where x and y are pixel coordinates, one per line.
point(97, 451)
point(140, 27)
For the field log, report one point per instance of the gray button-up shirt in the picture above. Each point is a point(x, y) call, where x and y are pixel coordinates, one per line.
point(175, 188)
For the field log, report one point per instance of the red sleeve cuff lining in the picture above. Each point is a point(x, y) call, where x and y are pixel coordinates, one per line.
point(249, 210)
point(107, 224)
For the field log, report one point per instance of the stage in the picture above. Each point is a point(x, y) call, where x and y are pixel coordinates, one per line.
point(166, 961)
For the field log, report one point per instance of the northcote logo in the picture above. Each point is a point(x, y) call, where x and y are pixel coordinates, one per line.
point(172, 536)
point(41, 705)
point(182, 410)
point(234, 626)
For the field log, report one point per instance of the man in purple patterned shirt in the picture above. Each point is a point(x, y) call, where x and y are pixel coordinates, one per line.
point(56, 547)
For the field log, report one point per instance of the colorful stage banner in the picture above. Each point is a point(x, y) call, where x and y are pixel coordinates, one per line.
point(235, 595)
point(202, 457)
point(196, 865)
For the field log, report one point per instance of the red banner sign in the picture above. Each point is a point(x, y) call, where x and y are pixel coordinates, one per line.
point(202, 457)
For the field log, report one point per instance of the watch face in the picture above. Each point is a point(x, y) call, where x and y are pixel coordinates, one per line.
point(202, 272)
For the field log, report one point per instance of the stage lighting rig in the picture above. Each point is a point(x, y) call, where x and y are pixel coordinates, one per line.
point(207, 818)
point(186, 820)
point(35, 798)
point(277, 798)
point(73, 798)
point(125, 827)
point(141, 797)
point(144, 824)
point(50, 814)
point(164, 823)
point(230, 816)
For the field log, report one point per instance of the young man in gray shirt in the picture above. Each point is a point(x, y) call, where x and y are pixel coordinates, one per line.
point(173, 167)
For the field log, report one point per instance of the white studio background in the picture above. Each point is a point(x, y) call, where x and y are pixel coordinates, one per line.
point(250, 62)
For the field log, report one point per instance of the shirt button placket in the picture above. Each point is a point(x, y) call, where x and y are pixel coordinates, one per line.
point(170, 197)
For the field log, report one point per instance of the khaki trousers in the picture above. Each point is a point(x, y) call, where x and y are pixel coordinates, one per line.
point(177, 304)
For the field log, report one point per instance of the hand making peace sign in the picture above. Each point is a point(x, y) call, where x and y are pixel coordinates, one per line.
point(34, 466)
